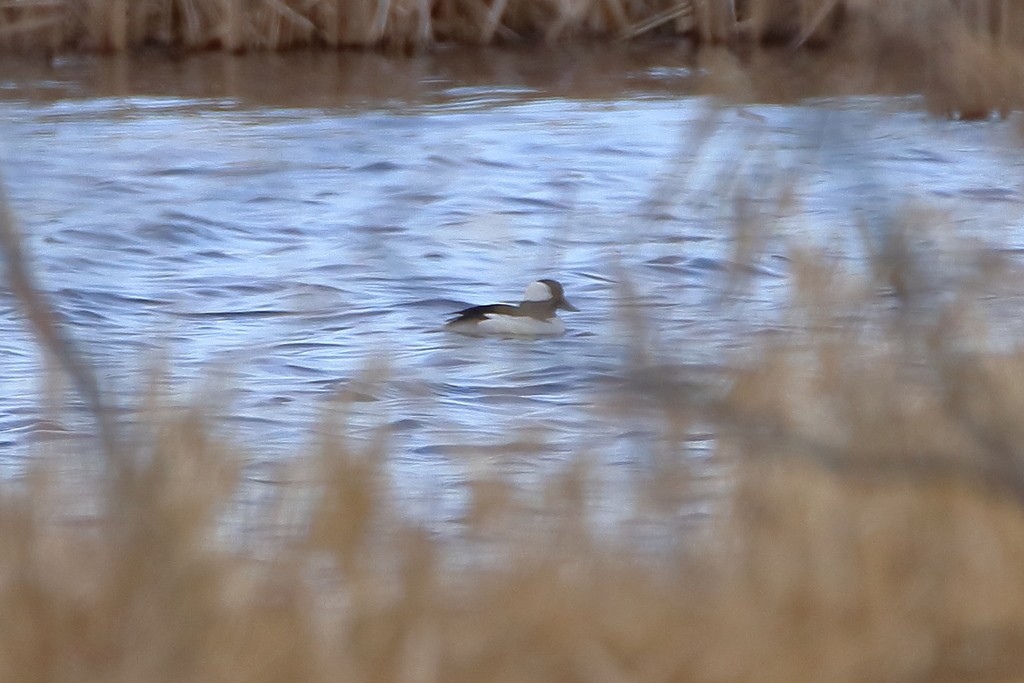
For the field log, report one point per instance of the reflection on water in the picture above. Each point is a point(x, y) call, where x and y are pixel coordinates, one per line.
point(282, 246)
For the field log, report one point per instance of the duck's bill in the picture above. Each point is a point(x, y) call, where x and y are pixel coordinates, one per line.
point(565, 305)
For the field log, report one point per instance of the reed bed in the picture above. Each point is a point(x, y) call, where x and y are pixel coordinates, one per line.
point(238, 25)
point(872, 527)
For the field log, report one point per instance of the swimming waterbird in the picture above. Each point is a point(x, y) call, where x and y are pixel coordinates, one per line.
point(533, 317)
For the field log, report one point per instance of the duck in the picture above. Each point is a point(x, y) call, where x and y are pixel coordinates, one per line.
point(533, 317)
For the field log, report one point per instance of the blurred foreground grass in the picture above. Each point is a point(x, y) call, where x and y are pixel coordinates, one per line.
point(872, 527)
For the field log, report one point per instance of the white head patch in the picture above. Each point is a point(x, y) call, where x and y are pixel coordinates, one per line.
point(538, 291)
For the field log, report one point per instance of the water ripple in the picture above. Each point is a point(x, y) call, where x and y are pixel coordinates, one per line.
point(307, 257)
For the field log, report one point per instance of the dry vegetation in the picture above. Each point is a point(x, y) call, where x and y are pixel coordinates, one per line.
point(873, 528)
point(938, 47)
point(235, 25)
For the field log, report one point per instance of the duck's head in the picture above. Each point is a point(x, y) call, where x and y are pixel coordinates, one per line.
point(548, 291)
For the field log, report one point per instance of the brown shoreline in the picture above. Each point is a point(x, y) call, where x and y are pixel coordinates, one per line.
point(965, 56)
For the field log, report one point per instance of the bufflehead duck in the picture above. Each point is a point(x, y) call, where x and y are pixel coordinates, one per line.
point(535, 316)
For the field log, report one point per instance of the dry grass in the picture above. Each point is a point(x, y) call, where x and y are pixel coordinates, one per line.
point(234, 25)
point(873, 530)
point(937, 47)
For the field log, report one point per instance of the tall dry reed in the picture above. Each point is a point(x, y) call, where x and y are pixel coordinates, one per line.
point(966, 56)
point(234, 25)
point(871, 528)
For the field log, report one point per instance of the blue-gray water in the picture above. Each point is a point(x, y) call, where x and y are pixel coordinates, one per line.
point(294, 254)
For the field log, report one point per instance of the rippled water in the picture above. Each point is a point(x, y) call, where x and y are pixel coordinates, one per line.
point(287, 243)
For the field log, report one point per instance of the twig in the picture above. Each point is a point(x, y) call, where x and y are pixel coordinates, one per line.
point(304, 24)
point(824, 10)
point(651, 23)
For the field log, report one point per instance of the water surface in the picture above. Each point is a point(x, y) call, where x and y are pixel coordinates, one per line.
point(289, 232)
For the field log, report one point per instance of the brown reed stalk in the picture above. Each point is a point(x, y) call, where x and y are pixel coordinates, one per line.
point(118, 25)
point(232, 23)
point(48, 332)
